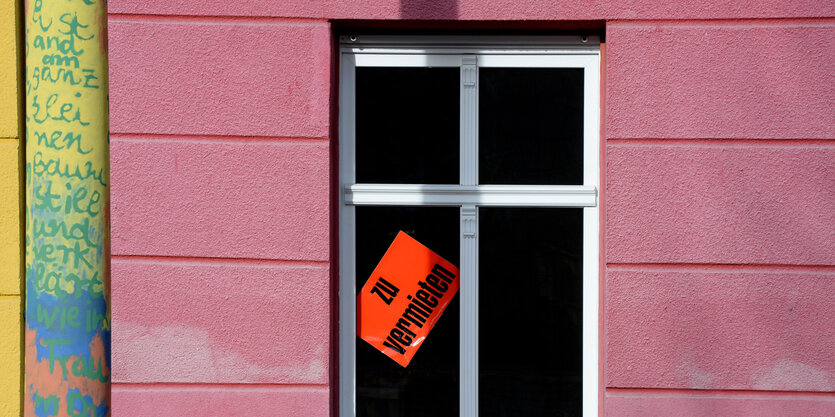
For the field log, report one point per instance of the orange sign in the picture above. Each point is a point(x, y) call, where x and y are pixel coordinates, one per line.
point(405, 296)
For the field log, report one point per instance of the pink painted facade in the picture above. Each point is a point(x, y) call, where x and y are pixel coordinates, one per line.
point(718, 200)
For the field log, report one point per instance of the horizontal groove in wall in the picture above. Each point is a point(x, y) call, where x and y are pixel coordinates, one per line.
point(9, 297)
point(818, 21)
point(12, 139)
point(695, 267)
point(751, 21)
point(157, 137)
point(201, 261)
point(164, 18)
point(734, 394)
point(179, 386)
point(718, 142)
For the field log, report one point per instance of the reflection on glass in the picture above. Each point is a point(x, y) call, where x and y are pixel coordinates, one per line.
point(407, 125)
point(530, 312)
point(429, 385)
point(531, 126)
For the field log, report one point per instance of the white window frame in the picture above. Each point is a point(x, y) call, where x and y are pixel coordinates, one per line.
point(469, 54)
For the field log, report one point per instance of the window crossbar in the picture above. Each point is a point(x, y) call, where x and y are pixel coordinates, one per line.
point(480, 195)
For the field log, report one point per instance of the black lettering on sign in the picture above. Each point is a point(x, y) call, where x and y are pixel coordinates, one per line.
point(442, 273)
point(401, 337)
point(403, 325)
point(436, 283)
point(383, 286)
point(420, 308)
point(416, 313)
point(394, 345)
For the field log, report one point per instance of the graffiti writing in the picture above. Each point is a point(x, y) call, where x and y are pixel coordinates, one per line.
point(67, 314)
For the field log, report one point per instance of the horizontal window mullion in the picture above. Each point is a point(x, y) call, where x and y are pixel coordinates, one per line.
point(407, 60)
point(481, 195)
point(537, 61)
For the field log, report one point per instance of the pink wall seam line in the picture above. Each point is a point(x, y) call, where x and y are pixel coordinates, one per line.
point(193, 260)
point(738, 394)
point(673, 267)
point(123, 17)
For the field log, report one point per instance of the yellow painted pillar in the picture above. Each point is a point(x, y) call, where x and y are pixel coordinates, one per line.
point(67, 338)
point(11, 173)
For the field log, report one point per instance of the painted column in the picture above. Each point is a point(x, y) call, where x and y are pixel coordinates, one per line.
point(67, 214)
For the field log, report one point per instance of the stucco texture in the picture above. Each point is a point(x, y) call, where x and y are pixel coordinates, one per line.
point(9, 153)
point(720, 217)
point(489, 10)
point(10, 215)
point(9, 93)
point(220, 216)
point(10, 358)
point(718, 201)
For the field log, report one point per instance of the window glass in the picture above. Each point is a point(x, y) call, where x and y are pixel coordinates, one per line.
point(530, 311)
point(429, 385)
point(531, 126)
point(418, 112)
point(407, 125)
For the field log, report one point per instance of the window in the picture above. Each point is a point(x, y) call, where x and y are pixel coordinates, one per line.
point(486, 151)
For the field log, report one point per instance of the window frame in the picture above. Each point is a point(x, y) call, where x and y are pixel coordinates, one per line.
point(469, 54)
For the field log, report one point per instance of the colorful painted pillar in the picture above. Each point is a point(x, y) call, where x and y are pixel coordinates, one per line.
point(67, 214)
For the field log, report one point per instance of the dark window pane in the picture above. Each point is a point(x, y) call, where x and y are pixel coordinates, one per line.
point(407, 125)
point(531, 126)
point(429, 385)
point(530, 312)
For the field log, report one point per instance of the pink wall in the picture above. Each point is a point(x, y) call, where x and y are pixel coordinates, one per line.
point(719, 201)
point(220, 222)
point(720, 220)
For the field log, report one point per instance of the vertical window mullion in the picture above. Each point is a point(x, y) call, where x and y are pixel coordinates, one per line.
point(468, 362)
point(469, 120)
point(347, 239)
point(591, 236)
